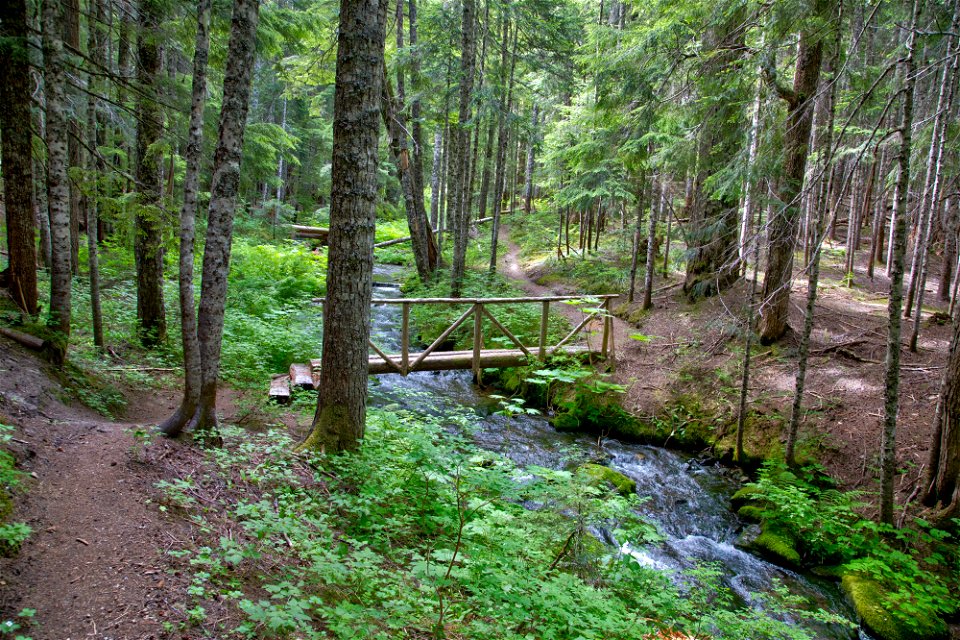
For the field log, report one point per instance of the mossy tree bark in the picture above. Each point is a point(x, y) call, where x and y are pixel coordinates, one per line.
point(188, 214)
point(17, 154)
point(338, 424)
point(58, 188)
point(460, 157)
point(891, 404)
point(223, 203)
point(778, 276)
point(148, 237)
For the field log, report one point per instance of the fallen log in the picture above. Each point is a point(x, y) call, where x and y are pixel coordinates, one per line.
point(316, 233)
point(27, 340)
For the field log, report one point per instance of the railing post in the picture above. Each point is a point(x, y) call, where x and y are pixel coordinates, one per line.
point(544, 316)
point(405, 340)
point(477, 338)
point(606, 327)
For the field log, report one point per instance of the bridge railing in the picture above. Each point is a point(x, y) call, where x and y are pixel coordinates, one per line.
point(407, 361)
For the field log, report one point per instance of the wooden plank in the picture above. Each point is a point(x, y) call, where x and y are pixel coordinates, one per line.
point(301, 376)
point(463, 360)
point(405, 339)
point(477, 338)
point(280, 389)
point(544, 317)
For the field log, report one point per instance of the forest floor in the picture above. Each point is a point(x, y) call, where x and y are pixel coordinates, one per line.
point(696, 349)
point(95, 565)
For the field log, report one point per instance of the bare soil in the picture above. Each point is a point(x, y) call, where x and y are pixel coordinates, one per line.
point(95, 566)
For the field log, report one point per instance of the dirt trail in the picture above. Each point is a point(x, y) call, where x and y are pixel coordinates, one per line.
point(94, 566)
point(634, 366)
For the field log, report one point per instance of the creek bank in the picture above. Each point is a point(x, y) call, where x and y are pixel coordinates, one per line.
point(691, 427)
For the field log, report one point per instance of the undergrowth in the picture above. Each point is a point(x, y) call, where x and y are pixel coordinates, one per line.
point(916, 566)
point(420, 534)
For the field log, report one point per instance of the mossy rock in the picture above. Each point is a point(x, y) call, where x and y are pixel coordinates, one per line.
point(868, 596)
point(598, 474)
point(744, 496)
point(751, 512)
point(776, 544)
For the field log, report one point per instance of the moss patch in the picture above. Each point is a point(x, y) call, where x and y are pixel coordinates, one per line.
point(599, 474)
point(777, 545)
point(867, 597)
point(751, 512)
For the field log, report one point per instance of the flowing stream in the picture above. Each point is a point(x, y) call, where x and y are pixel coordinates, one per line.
point(688, 500)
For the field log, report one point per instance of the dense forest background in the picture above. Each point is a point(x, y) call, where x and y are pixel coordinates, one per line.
point(158, 155)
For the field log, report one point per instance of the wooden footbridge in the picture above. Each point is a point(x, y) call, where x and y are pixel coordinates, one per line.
point(595, 328)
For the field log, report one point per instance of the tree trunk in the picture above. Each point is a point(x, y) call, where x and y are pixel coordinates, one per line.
point(506, 104)
point(712, 232)
point(813, 278)
point(223, 202)
point(192, 363)
point(635, 254)
point(942, 479)
point(461, 155)
point(391, 111)
point(58, 188)
point(435, 177)
point(930, 203)
point(531, 149)
point(778, 276)
point(651, 251)
point(341, 408)
point(949, 249)
point(148, 238)
point(888, 453)
point(96, 50)
point(17, 160)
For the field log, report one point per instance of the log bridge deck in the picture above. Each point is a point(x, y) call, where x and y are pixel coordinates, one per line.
point(597, 319)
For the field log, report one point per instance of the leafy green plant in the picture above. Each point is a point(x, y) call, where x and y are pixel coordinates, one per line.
point(11, 626)
point(421, 534)
point(916, 566)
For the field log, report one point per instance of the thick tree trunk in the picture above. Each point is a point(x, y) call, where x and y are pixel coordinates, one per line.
point(223, 203)
point(192, 363)
point(461, 153)
point(58, 188)
point(17, 154)
point(42, 212)
point(148, 239)
point(942, 480)
point(341, 409)
point(778, 276)
point(888, 452)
